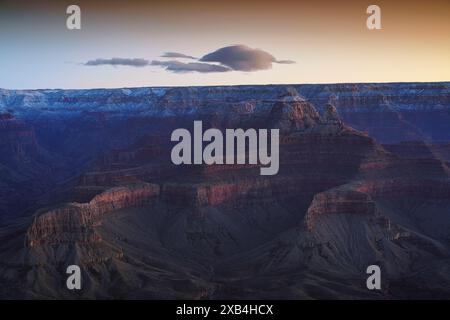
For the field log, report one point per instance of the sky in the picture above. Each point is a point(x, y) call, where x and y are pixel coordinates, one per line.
point(196, 42)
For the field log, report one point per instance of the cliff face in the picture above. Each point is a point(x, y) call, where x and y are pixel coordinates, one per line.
point(397, 188)
point(75, 222)
point(310, 142)
point(62, 131)
point(111, 200)
point(390, 112)
point(243, 191)
point(18, 139)
point(338, 201)
point(293, 113)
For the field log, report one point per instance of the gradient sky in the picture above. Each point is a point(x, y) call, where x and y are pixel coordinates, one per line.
point(328, 40)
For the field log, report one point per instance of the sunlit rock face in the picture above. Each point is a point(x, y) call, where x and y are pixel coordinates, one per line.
point(87, 179)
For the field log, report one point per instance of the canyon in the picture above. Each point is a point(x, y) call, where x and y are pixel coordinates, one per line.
point(364, 178)
point(236, 147)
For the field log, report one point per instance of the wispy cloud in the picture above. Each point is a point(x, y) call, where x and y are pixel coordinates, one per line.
point(231, 58)
point(177, 55)
point(285, 61)
point(181, 67)
point(136, 62)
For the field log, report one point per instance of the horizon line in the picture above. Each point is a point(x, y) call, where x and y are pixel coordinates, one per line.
point(225, 85)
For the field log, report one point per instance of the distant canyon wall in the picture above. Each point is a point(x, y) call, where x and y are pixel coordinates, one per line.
point(389, 112)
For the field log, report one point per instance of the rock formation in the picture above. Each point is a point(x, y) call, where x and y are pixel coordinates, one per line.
point(74, 222)
point(86, 178)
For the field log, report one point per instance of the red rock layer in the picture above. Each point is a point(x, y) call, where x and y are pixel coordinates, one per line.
point(397, 188)
point(75, 221)
point(338, 201)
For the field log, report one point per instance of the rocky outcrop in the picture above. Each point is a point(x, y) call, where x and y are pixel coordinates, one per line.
point(235, 192)
point(339, 201)
point(390, 112)
point(75, 222)
point(400, 188)
point(293, 113)
point(113, 177)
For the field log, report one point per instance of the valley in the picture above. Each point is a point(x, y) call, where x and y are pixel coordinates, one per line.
point(87, 179)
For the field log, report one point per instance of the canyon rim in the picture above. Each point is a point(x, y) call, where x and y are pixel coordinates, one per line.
point(87, 179)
